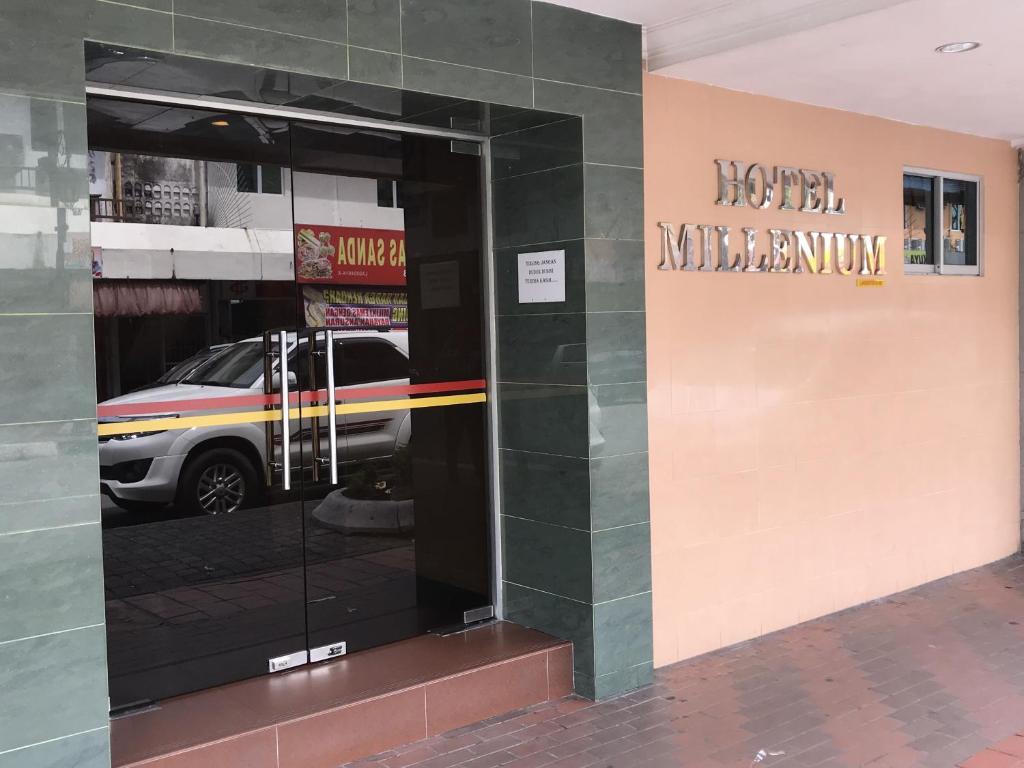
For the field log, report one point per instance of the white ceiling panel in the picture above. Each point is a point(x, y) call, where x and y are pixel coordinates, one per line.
point(869, 56)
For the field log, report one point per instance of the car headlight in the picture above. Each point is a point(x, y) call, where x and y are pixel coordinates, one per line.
point(141, 433)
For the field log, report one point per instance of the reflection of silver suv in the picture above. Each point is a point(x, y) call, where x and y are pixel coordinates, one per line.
point(220, 467)
point(178, 373)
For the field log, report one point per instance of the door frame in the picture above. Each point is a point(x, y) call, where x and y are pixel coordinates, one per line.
point(171, 98)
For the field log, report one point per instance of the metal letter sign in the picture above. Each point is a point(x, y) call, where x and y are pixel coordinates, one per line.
point(796, 251)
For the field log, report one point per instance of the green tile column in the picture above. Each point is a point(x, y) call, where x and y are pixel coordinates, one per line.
point(575, 510)
point(53, 682)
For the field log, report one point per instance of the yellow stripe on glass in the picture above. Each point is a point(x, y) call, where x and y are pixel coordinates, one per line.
point(257, 417)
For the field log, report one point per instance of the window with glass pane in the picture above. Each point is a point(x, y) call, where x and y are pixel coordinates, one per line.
point(385, 193)
point(941, 222)
point(246, 177)
point(918, 195)
point(959, 222)
point(270, 179)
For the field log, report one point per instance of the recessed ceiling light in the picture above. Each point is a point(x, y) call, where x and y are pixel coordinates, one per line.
point(221, 123)
point(958, 47)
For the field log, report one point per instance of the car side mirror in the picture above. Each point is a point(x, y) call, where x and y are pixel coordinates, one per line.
point(275, 383)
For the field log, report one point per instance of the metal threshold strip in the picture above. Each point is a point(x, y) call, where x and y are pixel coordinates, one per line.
point(238, 106)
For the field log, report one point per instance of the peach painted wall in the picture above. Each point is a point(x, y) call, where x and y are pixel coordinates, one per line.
point(814, 444)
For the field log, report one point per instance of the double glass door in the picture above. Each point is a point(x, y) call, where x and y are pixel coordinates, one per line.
point(302, 474)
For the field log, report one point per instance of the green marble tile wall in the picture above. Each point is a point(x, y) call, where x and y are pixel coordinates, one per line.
point(53, 681)
point(573, 436)
point(572, 375)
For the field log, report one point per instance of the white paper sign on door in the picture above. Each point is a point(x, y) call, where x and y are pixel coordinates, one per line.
point(542, 277)
point(439, 285)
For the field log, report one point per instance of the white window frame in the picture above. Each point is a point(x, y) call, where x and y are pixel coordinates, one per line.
point(259, 181)
point(935, 218)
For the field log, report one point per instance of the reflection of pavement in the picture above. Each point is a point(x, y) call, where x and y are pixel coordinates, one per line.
point(170, 554)
point(181, 589)
point(212, 553)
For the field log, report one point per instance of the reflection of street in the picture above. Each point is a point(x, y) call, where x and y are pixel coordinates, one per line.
point(175, 558)
point(186, 589)
point(115, 517)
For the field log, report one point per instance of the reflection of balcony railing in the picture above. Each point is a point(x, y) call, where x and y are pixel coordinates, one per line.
point(182, 211)
point(15, 178)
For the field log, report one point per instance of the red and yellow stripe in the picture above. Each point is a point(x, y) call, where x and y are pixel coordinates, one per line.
point(412, 395)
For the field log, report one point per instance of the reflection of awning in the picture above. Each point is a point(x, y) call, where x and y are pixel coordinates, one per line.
point(917, 190)
point(140, 299)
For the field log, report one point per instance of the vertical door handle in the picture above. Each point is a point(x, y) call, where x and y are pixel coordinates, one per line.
point(286, 427)
point(268, 388)
point(332, 408)
point(314, 427)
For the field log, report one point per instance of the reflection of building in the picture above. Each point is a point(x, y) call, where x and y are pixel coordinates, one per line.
point(915, 225)
point(954, 225)
point(193, 252)
point(142, 189)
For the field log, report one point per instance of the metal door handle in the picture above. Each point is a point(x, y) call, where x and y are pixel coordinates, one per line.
point(314, 430)
point(268, 388)
point(286, 427)
point(332, 408)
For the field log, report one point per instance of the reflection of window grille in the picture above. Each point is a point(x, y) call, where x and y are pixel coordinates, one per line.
point(150, 204)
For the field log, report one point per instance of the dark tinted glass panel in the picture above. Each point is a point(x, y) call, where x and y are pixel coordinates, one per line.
point(918, 211)
point(119, 65)
point(959, 222)
point(203, 560)
point(155, 129)
point(230, 550)
point(402, 290)
point(366, 361)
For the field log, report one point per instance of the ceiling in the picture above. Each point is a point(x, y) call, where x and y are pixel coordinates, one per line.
point(874, 57)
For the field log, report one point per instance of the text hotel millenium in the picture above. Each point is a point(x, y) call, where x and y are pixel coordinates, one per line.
point(797, 251)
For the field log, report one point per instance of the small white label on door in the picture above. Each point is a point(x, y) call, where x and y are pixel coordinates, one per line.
point(325, 652)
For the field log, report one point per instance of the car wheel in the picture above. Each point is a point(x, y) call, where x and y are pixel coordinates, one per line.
point(218, 482)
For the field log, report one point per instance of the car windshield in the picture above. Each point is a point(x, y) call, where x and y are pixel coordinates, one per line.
point(240, 365)
point(177, 373)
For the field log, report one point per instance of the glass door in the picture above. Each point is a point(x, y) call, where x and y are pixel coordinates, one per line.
point(292, 419)
point(201, 488)
point(389, 259)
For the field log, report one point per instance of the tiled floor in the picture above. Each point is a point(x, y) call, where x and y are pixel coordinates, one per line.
point(929, 677)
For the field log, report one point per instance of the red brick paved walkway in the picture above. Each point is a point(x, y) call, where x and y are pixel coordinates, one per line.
point(1009, 753)
point(929, 677)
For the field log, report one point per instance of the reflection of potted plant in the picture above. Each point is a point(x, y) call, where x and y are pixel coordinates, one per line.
point(376, 499)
